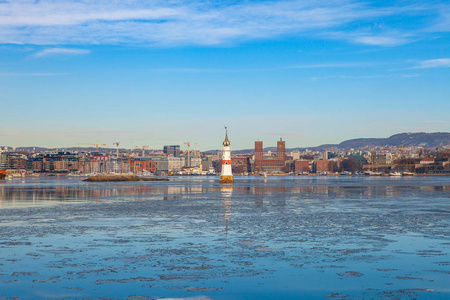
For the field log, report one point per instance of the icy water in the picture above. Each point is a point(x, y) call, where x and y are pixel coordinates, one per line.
point(332, 237)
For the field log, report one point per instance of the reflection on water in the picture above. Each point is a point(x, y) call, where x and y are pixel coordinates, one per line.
point(227, 193)
point(280, 237)
point(49, 191)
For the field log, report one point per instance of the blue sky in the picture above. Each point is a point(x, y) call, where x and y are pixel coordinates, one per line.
point(166, 72)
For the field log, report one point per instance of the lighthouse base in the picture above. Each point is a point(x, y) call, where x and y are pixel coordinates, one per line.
point(226, 179)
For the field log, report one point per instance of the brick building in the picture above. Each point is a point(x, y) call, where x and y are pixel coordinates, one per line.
point(272, 163)
point(65, 166)
point(323, 166)
point(12, 161)
point(61, 162)
point(240, 165)
point(139, 165)
point(37, 166)
point(301, 166)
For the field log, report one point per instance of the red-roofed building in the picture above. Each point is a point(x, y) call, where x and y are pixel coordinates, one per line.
point(427, 161)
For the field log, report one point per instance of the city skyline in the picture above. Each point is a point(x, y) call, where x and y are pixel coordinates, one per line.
point(159, 73)
point(419, 140)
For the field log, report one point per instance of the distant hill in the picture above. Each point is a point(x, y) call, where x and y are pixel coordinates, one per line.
point(70, 149)
point(419, 139)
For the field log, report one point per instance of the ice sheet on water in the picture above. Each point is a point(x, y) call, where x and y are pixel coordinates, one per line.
point(285, 235)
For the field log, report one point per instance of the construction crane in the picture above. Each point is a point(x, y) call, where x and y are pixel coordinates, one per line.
point(117, 152)
point(137, 148)
point(143, 150)
point(189, 152)
point(96, 145)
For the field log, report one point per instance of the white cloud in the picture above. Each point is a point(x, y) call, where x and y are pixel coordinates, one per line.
point(194, 22)
point(434, 63)
point(61, 51)
point(336, 65)
point(387, 38)
point(400, 76)
point(12, 74)
point(381, 40)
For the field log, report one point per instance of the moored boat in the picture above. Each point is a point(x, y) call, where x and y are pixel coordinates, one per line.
point(371, 173)
point(396, 173)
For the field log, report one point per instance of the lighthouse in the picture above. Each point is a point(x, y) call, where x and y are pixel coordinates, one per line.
point(226, 176)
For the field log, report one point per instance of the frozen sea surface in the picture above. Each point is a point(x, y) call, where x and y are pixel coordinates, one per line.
point(332, 237)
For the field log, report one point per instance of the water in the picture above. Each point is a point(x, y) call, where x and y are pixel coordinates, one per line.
point(281, 238)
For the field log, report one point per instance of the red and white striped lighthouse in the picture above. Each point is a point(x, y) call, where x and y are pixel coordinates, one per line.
point(226, 176)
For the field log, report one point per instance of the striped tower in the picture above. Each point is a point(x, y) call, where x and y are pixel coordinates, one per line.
point(226, 176)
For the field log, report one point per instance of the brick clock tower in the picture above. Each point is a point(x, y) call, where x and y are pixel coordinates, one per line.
point(281, 150)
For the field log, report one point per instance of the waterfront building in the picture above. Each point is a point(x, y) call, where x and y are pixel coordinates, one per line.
point(169, 164)
point(94, 162)
point(139, 165)
point(196, 153)
point(427, 161)
point(64, 166)
point(195, 162)
point(240, 165)
point(214, 156)
point(13, 161)
point(377, 159)
point(295, 155)
point(113, 166)
point(173, 150)
point(207, 164)
point(226, 176)
point(323, 166)
point(302, 165)
point(272, 163)
point(57, 162)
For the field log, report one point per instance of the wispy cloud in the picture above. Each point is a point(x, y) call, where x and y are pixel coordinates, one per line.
point(333, 65)
point(228, 70)
point(213, 22)
point(434, 63)
point(61, 51)
point(382, 40)
point(367, 37)
point(379, 76)
point(15, 74)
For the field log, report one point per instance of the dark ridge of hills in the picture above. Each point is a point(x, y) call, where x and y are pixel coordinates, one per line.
point(70, 149)
point(410, 139)
point(418, 139)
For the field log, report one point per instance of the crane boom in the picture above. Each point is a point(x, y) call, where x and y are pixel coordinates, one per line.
point(96, 145)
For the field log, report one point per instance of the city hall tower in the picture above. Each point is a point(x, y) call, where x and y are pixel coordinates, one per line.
point(226, 176)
